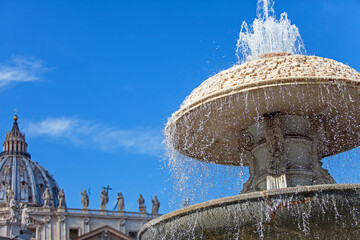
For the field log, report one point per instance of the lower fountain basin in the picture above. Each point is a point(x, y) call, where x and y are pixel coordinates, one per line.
point(328, 211)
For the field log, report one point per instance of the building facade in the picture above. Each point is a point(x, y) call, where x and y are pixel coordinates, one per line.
point(32, 206)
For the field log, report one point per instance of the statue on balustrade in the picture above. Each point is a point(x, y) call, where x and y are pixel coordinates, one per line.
point(120, 202)
point(25, 217)
point(155, 206)
point(104, 199)
point(47, 198)
point(14, 210)
point(61, 198)
point(141, 202)
point(84, 199)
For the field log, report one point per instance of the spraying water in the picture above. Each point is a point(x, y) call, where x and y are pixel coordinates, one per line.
point(277, 118)
point(268, 34)
point(197, 181)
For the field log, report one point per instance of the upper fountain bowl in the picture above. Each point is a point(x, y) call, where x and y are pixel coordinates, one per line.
point(210, 121)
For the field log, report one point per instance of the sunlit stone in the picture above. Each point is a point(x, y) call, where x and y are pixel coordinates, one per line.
point(279, 114)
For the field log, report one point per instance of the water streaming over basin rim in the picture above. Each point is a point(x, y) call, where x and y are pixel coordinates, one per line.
point(266, 69)
point(205, 126)
point(327, 206)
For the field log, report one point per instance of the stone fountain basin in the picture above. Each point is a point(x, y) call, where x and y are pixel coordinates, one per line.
point(207, 125)
point(308, 212)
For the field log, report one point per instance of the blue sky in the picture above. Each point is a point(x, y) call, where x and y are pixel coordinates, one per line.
point(95, 81)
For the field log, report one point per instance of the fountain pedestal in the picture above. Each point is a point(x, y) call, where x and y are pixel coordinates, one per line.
point(284, 151)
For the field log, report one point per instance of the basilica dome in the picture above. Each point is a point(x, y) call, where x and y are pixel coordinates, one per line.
point(26, 179)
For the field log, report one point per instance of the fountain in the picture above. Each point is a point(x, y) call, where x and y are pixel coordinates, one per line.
point(279, 113)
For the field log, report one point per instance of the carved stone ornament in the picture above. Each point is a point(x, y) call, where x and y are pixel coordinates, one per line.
point(86, 220)
point(61, 218)
point(246, 140)
point(249, 186)
point(275, 138)
point(47, 219)
point(105, 235)
point(122, 222)
point(274, 135)
point(322, 176)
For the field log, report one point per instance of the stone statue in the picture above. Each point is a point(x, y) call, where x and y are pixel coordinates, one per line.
point(155, 206)
point(104, 199)
point(8, 194)
point(105, 235)
point(141, 202)
point(14, 210)
point(25, 217)
point(61, 198)
point(120, 202)
point(47, 198)
point(84, 199)
point(186, 202)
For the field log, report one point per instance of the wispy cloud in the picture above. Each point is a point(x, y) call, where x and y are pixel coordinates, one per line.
point(86, 133)
point(21, 69)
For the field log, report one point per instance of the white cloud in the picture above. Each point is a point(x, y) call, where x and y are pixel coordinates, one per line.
point(52, 127)
point(140, 140)
point(21, 69)
point(80, 132)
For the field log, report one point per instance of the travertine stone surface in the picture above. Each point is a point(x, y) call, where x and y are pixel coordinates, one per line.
point(279, 115)
point(284, 151)
point(267, 69)
point(307, 212)
point(209, 123)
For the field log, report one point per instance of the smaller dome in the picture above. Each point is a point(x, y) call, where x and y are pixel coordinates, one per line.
point(26, 179)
